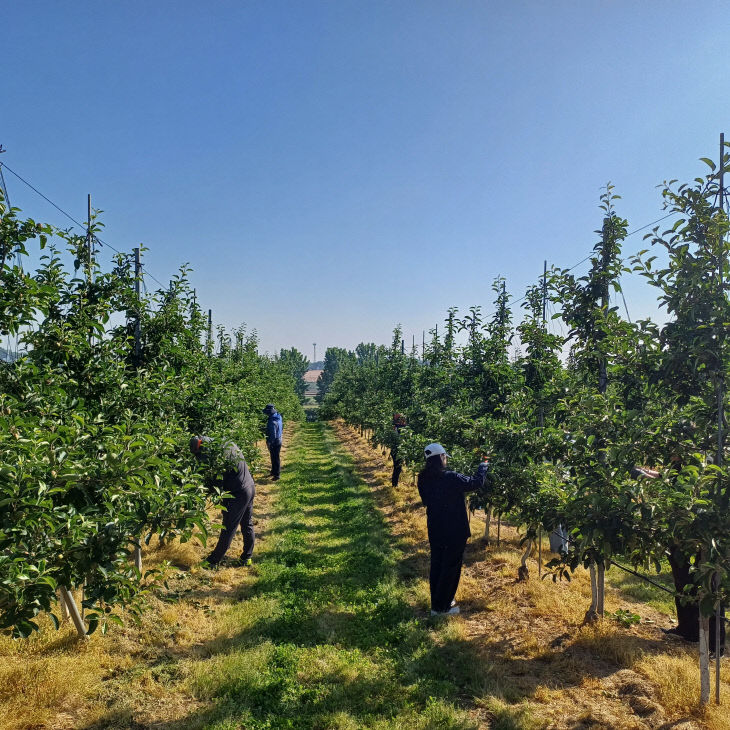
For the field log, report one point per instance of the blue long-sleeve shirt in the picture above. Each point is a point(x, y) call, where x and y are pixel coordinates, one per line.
point(274, 428)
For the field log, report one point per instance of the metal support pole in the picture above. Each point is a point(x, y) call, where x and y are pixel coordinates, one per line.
point(137, 321)
point(720, 413)
point(89, 239)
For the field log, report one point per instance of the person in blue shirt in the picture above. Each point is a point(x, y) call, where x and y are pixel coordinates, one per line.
point(274, 431)
point(442, 493)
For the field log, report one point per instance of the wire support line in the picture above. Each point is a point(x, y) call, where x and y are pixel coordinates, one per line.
point(72, 219)
point(658, 220)
point(38, 192)
point(643, 577)
point(592, 255)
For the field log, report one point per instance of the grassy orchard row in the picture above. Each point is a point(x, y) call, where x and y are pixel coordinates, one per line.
point(563, 436)
point(94, 429)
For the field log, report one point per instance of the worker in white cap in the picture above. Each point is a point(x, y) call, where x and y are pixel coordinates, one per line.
point(442, 492)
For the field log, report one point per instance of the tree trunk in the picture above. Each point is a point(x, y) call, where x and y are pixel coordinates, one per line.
point(64, 609)
point(487, 524)
point(592, 614)
point(74, 611)
point(601, 588)
point(138, 556)
point(523, 572)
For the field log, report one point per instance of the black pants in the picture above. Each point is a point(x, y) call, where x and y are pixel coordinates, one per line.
point(445, 573)
point(274, 452)
point(688, 614)
point(237, 510)
point(397, 468)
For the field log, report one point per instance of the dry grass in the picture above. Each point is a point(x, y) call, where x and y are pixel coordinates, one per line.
point(532, 636)
point(138, 673)
point(529, 662)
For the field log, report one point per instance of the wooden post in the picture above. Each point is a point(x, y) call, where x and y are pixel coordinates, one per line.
point(74, 611)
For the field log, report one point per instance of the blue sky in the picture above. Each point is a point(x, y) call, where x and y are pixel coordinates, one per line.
point(331, 169)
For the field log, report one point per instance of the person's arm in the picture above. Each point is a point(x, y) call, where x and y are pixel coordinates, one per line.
point(469, 484)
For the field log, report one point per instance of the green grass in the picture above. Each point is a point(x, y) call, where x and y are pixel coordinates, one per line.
point(327, 638)
point(640, 590)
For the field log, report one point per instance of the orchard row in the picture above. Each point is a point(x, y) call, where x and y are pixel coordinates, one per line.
point(96, 414)
point(569, 422)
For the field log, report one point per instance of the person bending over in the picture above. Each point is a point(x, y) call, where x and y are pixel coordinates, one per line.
point(238, 505)
point(442, 493)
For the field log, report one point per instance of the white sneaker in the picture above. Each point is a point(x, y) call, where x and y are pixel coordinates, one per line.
point(451, 612)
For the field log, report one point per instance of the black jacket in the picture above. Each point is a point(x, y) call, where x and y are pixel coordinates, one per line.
point(237, 480)
point(442, 494)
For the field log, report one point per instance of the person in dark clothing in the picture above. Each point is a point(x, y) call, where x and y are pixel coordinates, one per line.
point(442, 493)
point(688, 611)
point(274, 431)
point(237, 506)
point(399, 423)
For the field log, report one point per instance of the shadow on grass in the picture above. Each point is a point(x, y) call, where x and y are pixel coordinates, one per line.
point(343, 641)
